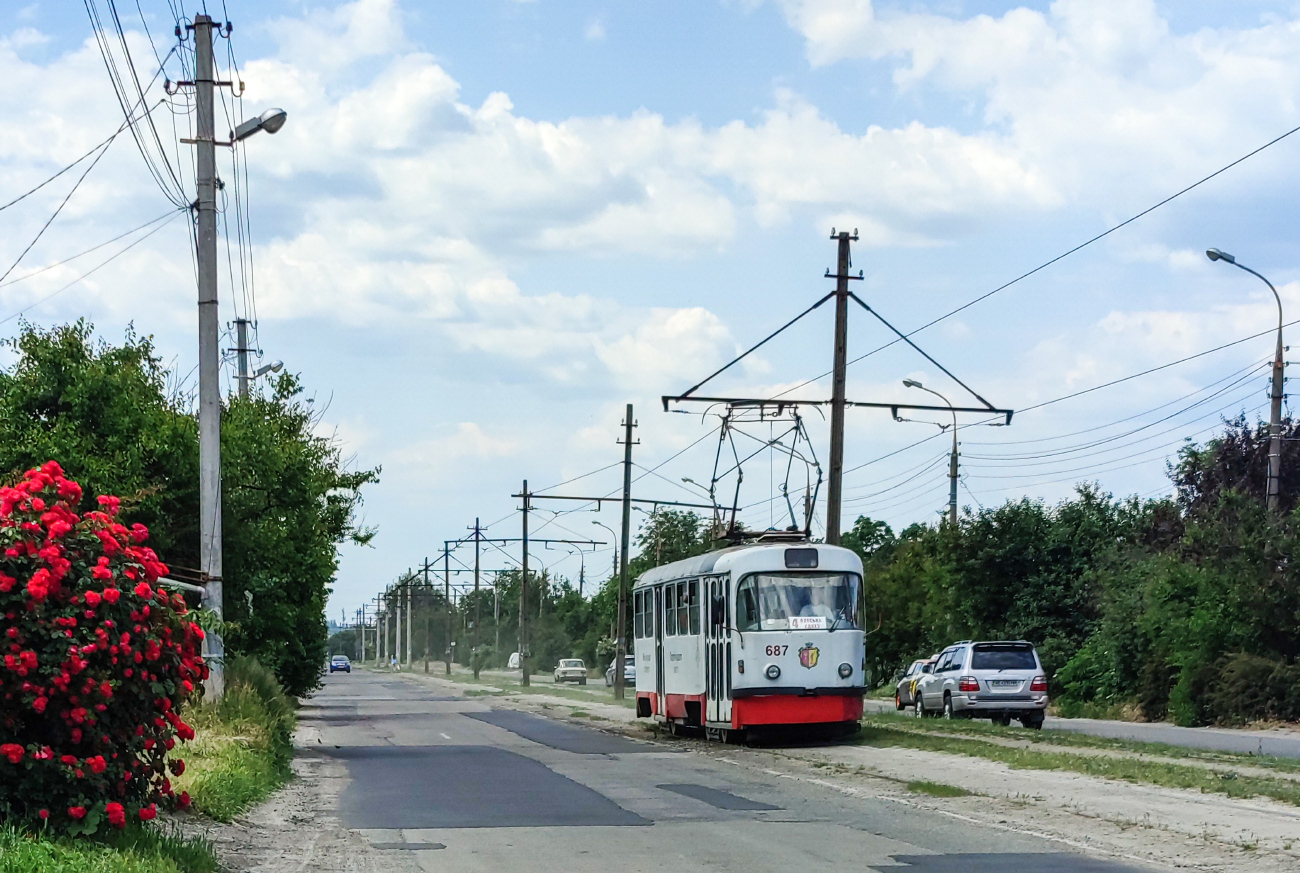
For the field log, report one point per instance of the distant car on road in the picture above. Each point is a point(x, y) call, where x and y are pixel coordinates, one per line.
point(514, 663)
point(340, 662)
point(629, 671)
point(571, 670)
point(905, 696)
point(995, 680)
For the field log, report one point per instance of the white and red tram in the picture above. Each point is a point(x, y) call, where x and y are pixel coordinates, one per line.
point(757, 635)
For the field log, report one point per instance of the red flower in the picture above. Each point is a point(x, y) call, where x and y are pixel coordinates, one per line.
point(148, 812)
point(116, 815)
point(97, 764)
point(77, 812)
point(39, 705)
point(44, 813)
point(112, 594)
point(12, 751)
point(143, 590)
point(183, 801)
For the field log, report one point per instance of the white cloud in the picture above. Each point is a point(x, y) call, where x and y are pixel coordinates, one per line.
point(1100, 95)
point(595, 30)
point(438, 461)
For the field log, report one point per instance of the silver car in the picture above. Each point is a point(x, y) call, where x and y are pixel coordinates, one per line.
point(629, 672)
point(995, 680)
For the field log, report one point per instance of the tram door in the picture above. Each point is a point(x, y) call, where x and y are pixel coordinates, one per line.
point(661, 703)
point(718, 655)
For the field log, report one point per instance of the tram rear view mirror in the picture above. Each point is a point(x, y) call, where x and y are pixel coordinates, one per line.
point(718, 611)
point(801, 559)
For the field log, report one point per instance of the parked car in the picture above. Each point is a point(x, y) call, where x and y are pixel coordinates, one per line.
point(905, 696)
point(514, 663)
point(340, 662)
point(571, 670)
point(998, 680)
point(629, 671)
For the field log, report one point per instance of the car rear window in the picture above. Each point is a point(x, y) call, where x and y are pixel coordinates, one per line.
point(1003, 658)
point(570, 663)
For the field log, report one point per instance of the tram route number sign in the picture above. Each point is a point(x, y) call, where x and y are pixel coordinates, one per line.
point(808, 622)
point(776, 651)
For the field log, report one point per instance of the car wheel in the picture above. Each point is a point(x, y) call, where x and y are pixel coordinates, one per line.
point(1004, 720)
point(582, 681)
point(898, 701)
point(947, 707)
point(919, 709)
point(1032, 722)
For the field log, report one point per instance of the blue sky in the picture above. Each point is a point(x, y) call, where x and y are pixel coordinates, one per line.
point(487, 226)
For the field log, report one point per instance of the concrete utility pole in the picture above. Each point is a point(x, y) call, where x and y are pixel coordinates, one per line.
point(523, 592)
point(241, 353)
point(474, 641)
point(620, 644)
point(1274, 486)
point(410, 607)
point(836, 475)
point(446, 588)
point(209, 354)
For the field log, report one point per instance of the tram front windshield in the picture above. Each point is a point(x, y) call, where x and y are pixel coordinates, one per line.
point(798, 601)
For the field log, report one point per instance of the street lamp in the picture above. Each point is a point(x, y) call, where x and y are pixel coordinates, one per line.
point(1275, 414)
point(270, 121)
point(952, 461)
point(273, 367)
point(614, 537)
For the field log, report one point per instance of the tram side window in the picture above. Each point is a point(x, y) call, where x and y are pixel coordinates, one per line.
point(683, 627)
point(693, 598)
point(637, 617)
point(747, 607)
point(670, 610)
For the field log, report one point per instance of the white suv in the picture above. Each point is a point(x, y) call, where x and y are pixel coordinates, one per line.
point(994, 680)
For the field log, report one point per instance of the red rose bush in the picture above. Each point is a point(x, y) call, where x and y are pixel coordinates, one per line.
point(98, 662)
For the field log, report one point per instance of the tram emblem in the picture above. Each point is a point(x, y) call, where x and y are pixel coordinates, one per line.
point(808, 656)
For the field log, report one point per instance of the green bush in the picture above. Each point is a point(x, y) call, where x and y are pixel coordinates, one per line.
point(1249, 687)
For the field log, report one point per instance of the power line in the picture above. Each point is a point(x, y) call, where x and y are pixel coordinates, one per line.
point(1054, 260)
point(170, 213)
point(89, 272)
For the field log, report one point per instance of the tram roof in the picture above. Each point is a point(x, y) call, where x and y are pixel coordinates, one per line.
point(753, 557)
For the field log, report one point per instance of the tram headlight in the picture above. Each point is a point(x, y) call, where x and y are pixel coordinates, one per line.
point(773, 671)
point(846, 670)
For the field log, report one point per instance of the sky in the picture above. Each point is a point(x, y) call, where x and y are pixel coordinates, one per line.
point(487, 227)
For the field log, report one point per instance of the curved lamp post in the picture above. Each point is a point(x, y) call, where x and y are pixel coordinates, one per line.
point(952, 461)
point(1275, 413)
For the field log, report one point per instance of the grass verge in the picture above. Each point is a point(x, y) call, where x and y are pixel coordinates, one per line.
point(937, 789)
point(139, 850)
point(1128, 769)
point(243, 744)
point(979, 728)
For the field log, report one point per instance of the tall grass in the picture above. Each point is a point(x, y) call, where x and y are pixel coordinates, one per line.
point(139, 850)
point(243, 744)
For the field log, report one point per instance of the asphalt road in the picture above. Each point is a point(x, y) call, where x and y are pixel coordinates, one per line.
point(457, 786)
point(1281, 744)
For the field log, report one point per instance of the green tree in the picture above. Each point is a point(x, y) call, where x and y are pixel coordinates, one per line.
point(107, 415)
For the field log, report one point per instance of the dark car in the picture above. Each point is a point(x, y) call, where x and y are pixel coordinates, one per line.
point(340, 662)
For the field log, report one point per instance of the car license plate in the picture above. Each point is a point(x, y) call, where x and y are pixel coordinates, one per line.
point(1005, 683)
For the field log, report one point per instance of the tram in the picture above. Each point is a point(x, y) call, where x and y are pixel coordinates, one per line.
point(755, 636)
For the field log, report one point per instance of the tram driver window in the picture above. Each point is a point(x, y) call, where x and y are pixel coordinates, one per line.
point(767, 601)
